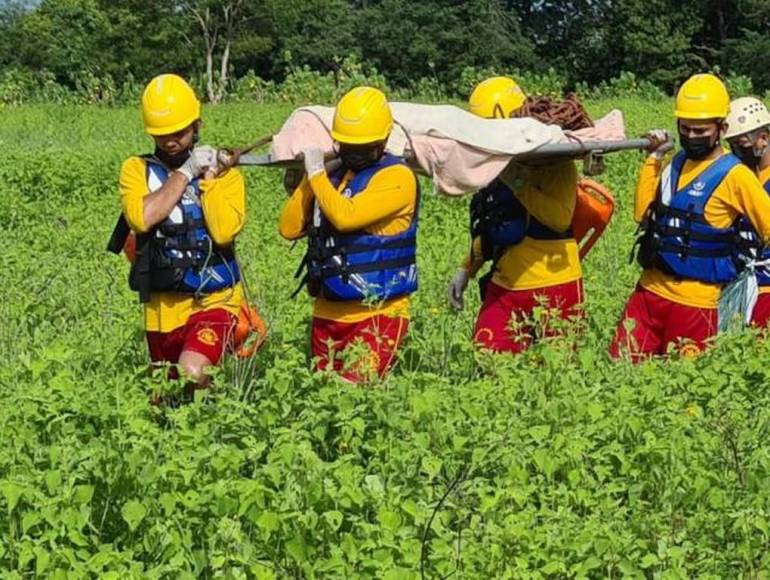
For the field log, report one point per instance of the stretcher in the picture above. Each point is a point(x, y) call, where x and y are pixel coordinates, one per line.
point(462, 153)
point(458, 151)
point(594, 151)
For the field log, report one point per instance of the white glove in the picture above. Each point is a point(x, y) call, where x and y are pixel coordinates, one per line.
point(457, 288)
point(660, 143)
point(201, 160)
point(314, 161)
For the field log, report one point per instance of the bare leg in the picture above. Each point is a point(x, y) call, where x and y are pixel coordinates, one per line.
point(193, 366)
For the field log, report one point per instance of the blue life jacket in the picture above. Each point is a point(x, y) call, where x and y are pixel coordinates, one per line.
point(178, 255)
point(753, 249)
point(678, 239)
point(501, 220)
point(361, 266)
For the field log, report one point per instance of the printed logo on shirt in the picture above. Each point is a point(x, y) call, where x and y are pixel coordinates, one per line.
point(698, 189)
point(689, 350)
point(207, 336)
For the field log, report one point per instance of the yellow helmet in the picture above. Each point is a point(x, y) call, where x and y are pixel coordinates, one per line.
point(496, 98)
point(362, 116)
point(169, 105)
point(702, 96)
point(747, 114)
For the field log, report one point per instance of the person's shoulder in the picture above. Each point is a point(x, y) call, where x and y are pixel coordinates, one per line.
point(400, 172)
point(133, 164)
point(741, 173)
point(230, 177)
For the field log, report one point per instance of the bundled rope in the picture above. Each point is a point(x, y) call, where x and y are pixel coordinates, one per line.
point(568, 114)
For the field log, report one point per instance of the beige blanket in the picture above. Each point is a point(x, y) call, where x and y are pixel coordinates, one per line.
point(460, 151)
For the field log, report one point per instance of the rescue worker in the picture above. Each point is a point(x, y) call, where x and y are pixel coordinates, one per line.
point(521, 222)
point(689, 211)
point(748, 134)
point(360, 216)
point(186, 217)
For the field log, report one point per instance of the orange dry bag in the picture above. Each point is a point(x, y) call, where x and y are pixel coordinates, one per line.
point(250, 331)
point(593, 211)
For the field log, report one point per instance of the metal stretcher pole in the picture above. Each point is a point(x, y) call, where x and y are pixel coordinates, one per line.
point(578, 149)
point(574, 149)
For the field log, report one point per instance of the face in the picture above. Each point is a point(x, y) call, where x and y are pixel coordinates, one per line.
point(751, 147)
point(357, 157)
point(179, 142)
point(741, 142)
point(762, 140)
point(697, 128)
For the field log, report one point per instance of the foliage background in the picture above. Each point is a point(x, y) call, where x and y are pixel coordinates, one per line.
point(105, 50)
point(558, 463)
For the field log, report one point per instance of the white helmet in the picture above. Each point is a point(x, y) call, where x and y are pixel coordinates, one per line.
point(746, 115)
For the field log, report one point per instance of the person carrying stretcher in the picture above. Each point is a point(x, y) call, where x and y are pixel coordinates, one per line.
point(181, 214)
point(359, 213)
point(523, 223)
point(690, 210)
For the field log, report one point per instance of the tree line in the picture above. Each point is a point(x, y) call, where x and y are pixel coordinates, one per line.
point(586, 42)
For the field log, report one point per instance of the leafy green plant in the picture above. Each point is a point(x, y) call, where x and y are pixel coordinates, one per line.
point(557, 463)
point(625, 85)
point(739, 85)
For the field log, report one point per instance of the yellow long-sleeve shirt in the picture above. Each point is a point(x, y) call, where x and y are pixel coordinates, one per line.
point(764, 176)
point(549, 193)
point(385, 207)
point(740, 193)
point(224, 208)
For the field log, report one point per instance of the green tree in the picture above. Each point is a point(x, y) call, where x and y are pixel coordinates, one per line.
point(438, 38)
point(573, 37)
point(145, 39)
point(655, 39)
point(10, 16)
point(317, 33)
point(596, 40)
point(65, 37)
point(120, 38)
point(745, 50)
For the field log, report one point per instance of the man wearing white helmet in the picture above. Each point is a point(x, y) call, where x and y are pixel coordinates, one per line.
point(748, 133)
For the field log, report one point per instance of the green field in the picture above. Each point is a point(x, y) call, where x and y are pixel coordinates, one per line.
point(558, 463)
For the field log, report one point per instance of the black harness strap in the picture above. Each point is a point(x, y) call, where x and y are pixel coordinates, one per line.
point(664, 211)
point(331, 271)
point(673, 231)
point(119, 235)
point(695, 252)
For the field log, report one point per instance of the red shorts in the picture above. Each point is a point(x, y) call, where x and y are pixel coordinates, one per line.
point(761, 315)
point(207, 333)
point(380, 337)
point(505, 322)
point(659, 323)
